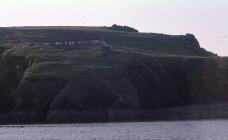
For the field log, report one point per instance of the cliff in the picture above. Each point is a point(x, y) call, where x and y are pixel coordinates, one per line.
point(133, 77)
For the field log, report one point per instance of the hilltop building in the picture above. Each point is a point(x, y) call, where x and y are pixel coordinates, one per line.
point(82, 43)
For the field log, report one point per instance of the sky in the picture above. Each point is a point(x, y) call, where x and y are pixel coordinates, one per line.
point(206, 19)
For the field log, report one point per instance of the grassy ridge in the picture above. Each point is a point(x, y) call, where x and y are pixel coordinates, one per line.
point(149, 42)
point(61, 62)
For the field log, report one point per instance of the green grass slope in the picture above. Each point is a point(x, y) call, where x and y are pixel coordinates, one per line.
point(185, 45)
point(67, 61)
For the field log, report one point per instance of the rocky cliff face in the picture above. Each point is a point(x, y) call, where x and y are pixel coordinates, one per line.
point(11, 72)
point(143, 84)
point(132, 76)
point(192, 41)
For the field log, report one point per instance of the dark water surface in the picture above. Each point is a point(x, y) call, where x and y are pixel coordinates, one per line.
point(179, 130)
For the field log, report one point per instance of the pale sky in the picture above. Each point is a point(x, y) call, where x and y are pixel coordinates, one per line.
point(207, 19)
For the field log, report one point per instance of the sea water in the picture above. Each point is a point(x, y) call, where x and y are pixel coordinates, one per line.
point(170, 130)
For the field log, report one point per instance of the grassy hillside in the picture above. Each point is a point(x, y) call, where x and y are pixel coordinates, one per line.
point(132, 71)
point(139, 42)
point(68, 61)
